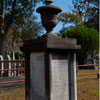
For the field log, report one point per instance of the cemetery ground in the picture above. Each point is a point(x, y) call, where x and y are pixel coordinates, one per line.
point(87, 88)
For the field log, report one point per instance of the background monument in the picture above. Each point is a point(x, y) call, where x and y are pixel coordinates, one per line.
point(50, 61)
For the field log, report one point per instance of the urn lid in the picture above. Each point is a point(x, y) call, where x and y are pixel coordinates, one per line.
point(49, 8)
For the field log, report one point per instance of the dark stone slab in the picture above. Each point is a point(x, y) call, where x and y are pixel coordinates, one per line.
point(51, 42)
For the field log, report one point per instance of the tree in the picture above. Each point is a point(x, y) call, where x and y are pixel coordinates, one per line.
point(69, 20)
point(14, 14)
point(86, 12)
point(73, 18)
point(89, 9)
point(13, 42)
point(88, 38)
point(29, 29)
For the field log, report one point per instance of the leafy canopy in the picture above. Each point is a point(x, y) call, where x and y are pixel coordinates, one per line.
point(89, 9)
point(85, 12)
point(19, 14)
point(70, 18)
point(88, 38)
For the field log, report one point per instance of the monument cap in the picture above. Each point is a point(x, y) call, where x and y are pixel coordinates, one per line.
point(48, 2)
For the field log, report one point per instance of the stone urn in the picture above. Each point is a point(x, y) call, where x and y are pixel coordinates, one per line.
point(49, 15)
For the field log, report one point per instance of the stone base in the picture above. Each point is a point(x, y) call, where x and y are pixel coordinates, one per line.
point(50, 68)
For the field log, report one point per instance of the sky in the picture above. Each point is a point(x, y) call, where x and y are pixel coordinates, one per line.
point(65, 5)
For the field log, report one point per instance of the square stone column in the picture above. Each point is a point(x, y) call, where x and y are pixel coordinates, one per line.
point(50, 68)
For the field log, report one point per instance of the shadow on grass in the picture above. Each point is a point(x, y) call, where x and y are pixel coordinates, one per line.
point(86, 79)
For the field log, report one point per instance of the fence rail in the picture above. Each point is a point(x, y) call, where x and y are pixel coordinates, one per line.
point(16, 66)
point(6, 82)
point(12, 67)
point(88, 65)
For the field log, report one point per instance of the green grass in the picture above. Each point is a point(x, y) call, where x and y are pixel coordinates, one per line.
point(87, 88)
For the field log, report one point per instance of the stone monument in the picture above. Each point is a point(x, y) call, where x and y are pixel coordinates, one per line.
point(50, 61)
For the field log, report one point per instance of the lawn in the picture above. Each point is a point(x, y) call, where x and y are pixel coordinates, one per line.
point(88, 85)
point(87, 88)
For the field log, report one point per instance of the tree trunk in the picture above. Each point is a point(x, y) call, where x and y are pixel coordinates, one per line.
point(2, 44)
point(2, 33)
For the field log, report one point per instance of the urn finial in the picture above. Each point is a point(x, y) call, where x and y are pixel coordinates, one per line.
point(48, 2)
point(49, 15)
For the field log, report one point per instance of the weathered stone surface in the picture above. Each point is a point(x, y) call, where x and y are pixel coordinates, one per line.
point(59, 80)
point(37, 81)
point(51, 42)
point(56, 74)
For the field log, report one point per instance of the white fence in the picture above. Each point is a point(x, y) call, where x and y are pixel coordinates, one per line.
point(11, 67)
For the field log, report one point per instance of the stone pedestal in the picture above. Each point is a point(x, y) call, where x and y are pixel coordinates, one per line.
point(50, 68)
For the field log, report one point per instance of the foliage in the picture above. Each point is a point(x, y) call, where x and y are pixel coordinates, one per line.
point(89, 9)
point(73, 17)
point(88, 38)
point(69, 20)
point(13, 42)
point(18, 11)
point(23, 17)
point(86, 12)
point(29, 29)
point(18, 15)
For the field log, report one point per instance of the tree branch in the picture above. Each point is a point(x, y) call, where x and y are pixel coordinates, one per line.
point(11, 18)
point(2, 11)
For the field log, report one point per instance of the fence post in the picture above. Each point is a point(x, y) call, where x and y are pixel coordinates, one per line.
point(9, 65)
point(94, 61)
point(2, 65)
point(14, 64)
